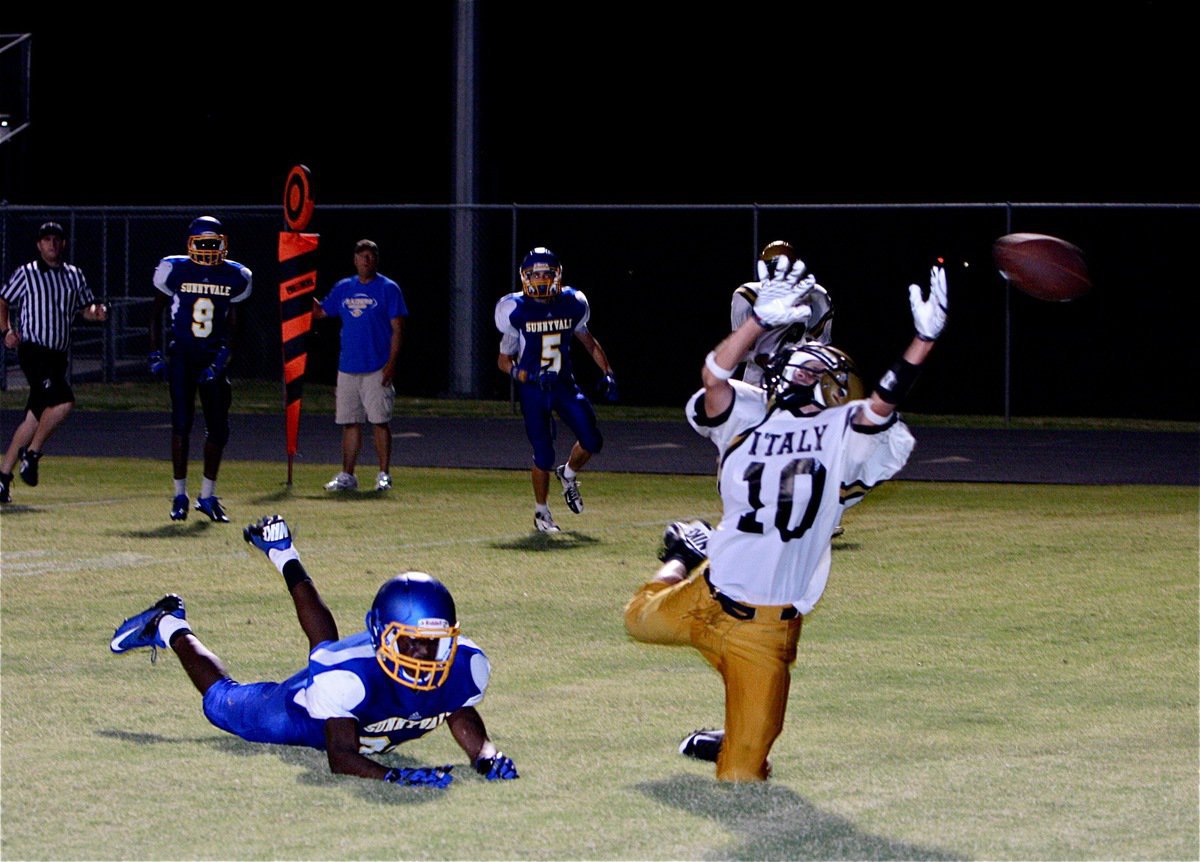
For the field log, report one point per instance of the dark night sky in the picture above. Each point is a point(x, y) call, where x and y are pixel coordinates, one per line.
point(620, 102)
point(656, 102)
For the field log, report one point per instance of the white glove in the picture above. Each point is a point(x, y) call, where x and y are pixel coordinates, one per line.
point(929, 315)
point(781, 294)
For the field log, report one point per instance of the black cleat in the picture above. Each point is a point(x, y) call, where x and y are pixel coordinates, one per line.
point(6, 480)
point(29, 465)
point(211, 506)
point(686, 541)
point(702, 744)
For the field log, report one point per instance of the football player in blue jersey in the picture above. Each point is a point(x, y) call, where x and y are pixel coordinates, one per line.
point(536, 325)
point(409, 672)
point(202, 290)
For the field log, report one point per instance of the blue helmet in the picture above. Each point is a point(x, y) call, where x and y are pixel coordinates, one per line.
point(207, 243)
point(541, 273)
point(414, 629)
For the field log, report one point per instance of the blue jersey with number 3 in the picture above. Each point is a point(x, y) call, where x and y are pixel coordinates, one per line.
point(201, 299)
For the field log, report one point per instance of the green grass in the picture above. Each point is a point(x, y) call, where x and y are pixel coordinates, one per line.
point(259, 396)
point(1000, 672)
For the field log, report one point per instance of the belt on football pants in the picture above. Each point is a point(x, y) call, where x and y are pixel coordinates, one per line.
point(740, 611)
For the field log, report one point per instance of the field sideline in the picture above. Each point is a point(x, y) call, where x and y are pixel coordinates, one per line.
point(996, 671)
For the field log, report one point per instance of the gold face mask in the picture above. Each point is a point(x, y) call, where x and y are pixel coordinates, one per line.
point(418, 657)
point(208, 249)
point(541, 281)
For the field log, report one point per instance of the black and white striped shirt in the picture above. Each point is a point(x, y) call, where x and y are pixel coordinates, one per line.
point(48, 299)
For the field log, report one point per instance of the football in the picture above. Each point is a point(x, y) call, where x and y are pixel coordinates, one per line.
point(1045, 267)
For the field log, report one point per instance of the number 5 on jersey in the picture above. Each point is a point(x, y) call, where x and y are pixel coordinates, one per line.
point(552, 352)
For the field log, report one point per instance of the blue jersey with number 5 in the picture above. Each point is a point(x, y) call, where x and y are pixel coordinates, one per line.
point(539, 333)
point(201, 300)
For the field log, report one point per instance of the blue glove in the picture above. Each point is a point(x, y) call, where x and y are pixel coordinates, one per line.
point(208, 375)
point(607, 386)
point(547, 378)
point(498, 768)
point(269, 534)
point(435, 776)
point(158, 364)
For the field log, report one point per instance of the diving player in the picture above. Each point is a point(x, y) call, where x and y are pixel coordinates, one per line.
point(536, 326)
point(202, 290)
point(408, 673)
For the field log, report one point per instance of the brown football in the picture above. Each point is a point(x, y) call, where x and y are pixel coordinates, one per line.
point(1045, 267)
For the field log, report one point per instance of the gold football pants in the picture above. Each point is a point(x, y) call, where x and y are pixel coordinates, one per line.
point(754, 658)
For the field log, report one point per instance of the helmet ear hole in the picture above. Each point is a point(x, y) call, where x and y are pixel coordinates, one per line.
point(843, 383)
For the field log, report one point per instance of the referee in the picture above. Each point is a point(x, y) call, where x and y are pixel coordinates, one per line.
point(47, 293)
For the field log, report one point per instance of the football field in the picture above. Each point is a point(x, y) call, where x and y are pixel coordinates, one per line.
point(995, 672)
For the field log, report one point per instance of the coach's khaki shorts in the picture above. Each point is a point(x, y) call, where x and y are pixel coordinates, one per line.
point(363, 398)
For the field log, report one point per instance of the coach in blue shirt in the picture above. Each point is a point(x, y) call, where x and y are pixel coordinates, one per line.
point(372, 310)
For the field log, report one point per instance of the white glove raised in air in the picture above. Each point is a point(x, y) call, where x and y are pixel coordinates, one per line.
point(781, 293)
point(929, 315)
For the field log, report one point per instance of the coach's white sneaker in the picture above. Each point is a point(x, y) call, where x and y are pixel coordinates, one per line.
point(342, 482)
point(383, 482)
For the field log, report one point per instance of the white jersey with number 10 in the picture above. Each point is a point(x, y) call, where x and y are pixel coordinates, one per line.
point(784, 480)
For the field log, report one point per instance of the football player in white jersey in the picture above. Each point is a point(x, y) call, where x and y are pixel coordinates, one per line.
point(788, 466)
point(818, 326)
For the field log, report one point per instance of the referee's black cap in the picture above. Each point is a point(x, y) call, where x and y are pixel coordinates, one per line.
point(51, 228)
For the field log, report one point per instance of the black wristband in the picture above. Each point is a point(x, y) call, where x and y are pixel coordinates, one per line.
point(293, 574)
point(896, 382)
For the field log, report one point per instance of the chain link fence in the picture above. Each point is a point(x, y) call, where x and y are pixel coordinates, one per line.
point(659, 279)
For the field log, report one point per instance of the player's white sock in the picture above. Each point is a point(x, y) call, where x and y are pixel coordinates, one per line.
point(180, 487)
point(568, 473)
point(208, 488)
point(544, 508)
point(168, 625)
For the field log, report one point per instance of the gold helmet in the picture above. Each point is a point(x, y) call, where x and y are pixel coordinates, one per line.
point(827, 368)
point(778, 248)
point(842, 383)
point(774, 249)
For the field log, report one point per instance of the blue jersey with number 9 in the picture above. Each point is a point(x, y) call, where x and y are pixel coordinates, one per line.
point(201, 299)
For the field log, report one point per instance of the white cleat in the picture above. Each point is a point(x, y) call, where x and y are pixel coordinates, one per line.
point(342, 482)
